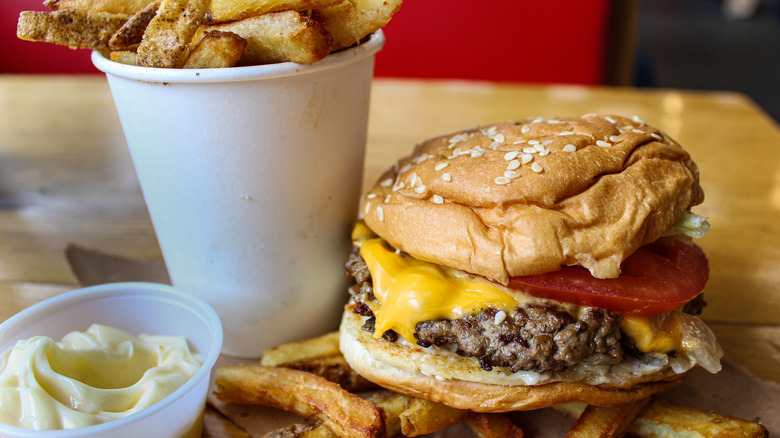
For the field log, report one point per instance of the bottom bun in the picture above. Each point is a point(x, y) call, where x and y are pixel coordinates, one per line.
point(412, 370)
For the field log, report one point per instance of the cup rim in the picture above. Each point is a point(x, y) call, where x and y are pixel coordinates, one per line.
point(155, 290)
point(243, 73)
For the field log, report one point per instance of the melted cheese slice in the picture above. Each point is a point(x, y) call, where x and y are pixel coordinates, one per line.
point(412, 291)
point(654, 333)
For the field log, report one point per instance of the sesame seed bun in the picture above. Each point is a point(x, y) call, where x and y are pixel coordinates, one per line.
point(459, 381)
point(528, 196)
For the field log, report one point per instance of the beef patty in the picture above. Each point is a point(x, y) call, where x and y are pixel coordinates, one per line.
point(532, 337)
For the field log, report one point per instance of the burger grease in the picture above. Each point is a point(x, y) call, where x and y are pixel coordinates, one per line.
point(532, 263)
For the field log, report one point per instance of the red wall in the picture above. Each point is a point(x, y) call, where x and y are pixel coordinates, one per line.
point(501, 40)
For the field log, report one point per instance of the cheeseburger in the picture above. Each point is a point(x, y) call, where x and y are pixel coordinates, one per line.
point(532, 263)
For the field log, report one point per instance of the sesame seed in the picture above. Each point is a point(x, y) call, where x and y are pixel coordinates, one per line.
point(511, 174)
point(446, 177)
point(500, 317)
point(638, 120)
point(538, 147)
point(415, 179)
point(441, 166)
point(398, 186)
point(570, 148)
point(536, 168)
point(656, 136)
point(603, 144)
point(380, 214)
point(438, 199)
point(493, 130)
point(519, 142)
point(514, 164)
point(387, 199)
point(527, 158)
point(511, 155)
point(555, 121)
point(589, 115)
point(544, 153)
point(615, 139)
point(638, 131)
point(499, 138)
point(525, 129)
point(386, 183)
point(547, 142)
point(494, 145)
point(458, 138)
point(368, 206)
point(502, 180)
point(371, 196)
point(566, 133)
point(533, 142)
point(529, 150)
point(476, 153)
point(610, 119)
point(420, 189)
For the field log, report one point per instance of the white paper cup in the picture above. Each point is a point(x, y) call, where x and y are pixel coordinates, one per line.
point(252, 177)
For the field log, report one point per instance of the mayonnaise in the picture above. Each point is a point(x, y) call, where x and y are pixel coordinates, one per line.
point(89, 377)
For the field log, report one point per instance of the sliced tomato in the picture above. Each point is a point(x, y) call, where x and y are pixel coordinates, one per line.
point(656, 278)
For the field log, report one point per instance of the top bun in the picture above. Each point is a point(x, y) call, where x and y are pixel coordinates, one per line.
point(596, 189)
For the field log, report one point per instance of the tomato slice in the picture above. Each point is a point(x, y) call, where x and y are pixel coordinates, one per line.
point(655, 279)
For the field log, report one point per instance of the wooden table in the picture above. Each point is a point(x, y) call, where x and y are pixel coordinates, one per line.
point(66, 176)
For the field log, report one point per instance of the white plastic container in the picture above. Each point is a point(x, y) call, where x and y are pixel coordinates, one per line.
point(252, 177)
point(136, 308)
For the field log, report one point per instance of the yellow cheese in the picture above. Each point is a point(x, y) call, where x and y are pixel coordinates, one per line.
point(413, 291)
point(654, 333)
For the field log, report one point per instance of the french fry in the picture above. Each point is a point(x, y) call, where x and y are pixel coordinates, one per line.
point(492, 426)
point(607, 422)
point(391, 403)
point(278, 37)
point(664, 419)
point(132, 32)
point(127, 7)
point(326, 345)
point(302, 430)
point(336, 369)
point(169, 33)
point(423, 416)
point(320, 356)
point(304, 394)
point(70, 27)
point(350, 22)
point(216, 49)
point(221, 11)
point(123, 57)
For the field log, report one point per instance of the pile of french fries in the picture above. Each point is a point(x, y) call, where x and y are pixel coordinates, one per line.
point(207, 33)
point(312, 379)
